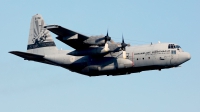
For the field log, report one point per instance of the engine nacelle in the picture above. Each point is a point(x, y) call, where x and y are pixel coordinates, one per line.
point(95, 40)
point(95, 50)
point(89, 51)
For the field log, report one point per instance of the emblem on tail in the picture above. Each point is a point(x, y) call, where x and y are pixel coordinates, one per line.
point(39, 36)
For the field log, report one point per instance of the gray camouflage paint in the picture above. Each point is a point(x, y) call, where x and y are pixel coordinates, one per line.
point(93, 62)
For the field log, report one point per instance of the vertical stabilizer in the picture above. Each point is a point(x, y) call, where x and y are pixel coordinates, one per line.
point(40, 40)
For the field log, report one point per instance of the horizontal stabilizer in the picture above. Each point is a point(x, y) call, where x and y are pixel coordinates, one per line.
point(27, 56)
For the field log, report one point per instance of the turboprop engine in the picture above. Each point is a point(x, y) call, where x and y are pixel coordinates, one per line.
point(108, 47)
point(96, 50)
point(98, 40)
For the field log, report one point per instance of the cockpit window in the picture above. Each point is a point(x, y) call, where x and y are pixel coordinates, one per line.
point(177, 46)
point(171, 46)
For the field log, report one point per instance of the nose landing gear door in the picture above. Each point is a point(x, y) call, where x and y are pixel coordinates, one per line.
point(174, 57)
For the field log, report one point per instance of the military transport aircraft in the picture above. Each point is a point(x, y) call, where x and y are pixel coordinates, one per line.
point(97, 55)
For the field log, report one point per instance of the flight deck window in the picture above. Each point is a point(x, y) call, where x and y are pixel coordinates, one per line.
point(171, 46)
point(177, 46)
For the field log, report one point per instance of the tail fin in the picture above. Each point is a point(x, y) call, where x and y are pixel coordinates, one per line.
point(40, 40)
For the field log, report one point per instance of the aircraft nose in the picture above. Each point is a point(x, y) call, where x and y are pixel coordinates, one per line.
point(184, 56)
point(188, 56)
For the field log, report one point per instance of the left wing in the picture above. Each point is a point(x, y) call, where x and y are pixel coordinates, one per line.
point(69, 37)
point(27, 56)
point(33, 57)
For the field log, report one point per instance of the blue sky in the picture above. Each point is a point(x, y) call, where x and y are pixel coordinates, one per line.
point(31, 86)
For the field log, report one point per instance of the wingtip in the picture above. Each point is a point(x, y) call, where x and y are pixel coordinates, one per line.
point(11, 52)
point(14, 52)
point(51, 26)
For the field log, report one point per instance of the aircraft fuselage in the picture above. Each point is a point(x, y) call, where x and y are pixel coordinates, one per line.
point(139, 58)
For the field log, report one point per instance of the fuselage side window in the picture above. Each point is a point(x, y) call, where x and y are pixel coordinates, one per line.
point(173, 51)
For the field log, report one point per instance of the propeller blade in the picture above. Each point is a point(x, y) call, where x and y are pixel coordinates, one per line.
point(107, 33)
point(122, 38)
point(123, 44)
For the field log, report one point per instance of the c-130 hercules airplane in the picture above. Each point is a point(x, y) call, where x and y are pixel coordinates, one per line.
point(97, 55)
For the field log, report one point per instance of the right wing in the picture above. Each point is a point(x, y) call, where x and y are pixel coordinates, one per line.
point(69, 37)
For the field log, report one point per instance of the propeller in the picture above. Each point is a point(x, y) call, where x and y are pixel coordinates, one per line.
point(123, 47)
point(107, 38)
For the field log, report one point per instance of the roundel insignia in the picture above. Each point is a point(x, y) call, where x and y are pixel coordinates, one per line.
point(72, 58)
